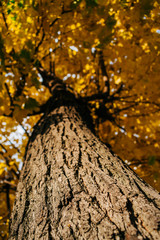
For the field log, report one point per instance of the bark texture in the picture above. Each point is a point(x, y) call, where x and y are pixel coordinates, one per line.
point(73, 187)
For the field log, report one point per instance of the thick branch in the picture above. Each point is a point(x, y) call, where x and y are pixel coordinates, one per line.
point(51, 81)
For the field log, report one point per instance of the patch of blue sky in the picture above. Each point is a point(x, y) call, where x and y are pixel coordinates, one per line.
point(74, 48)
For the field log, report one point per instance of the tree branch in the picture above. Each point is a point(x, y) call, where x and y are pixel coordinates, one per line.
point(54, 21)
point(118, 90)
point(9, 183)
point(20, 85)
point(63, 12)
point(50, 80)
point(23, 129)
point(104, 73)
point(9, 94)
point(4, 18)
point(39, 44)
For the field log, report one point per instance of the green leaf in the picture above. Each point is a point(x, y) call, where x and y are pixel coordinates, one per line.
point(37, 63)
point(25, 54)
point(31, 103)
point(30, 45)
point(86, 44)
point(110, 22)
point(1, 50)
point(36, 83)
point(104, 40)
point(35, 6)
point(9, 11)
point(1, 101)
point(124, 3)
point(156, 175)
point(14, 18)
point(91, 3)
point(146, 6)
point(75, 3)
point(15, 55)
point(151, 160)
point(20, 5)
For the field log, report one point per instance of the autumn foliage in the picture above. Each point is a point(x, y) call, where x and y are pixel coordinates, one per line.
point(107, 52)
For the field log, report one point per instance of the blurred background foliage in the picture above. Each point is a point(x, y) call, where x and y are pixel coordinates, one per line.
point(107, 52)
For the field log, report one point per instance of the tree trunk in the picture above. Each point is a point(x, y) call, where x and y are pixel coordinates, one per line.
point(73, 187)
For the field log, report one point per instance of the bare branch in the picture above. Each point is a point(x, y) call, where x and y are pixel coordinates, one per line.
point(3, 147)
point(63, 12)
point(23, 128)
point(50, 80)
point(9, 94)
point(39, 29)
point(54, 21)
point(104, 73)
point(126, 108)
point(9, 183)
point(118, 90)
point(4, 18)
point(14, 146)
point(39, 44)
point(20, 85)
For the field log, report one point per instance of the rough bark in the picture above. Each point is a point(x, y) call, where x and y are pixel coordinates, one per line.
point(73, 187)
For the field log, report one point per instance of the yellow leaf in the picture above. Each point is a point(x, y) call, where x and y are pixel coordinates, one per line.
point(87, 67)
point(138, 121)
point(73, 26)
point(1, 171)
point(129, 134)
point(156, 145)
point(117, 80)
point(29, 20)
point(148, 129)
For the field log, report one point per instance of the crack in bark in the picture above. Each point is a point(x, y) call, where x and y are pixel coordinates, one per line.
point(132, 216)
point(72, 233)
point(80, 156)
point(99, 163)
point(145, 195)
point(68, 199)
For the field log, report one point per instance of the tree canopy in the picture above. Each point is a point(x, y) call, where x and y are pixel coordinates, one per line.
point(106, 52)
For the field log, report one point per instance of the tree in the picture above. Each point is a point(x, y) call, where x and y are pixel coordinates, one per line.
point(72, 187)
point(61, 63)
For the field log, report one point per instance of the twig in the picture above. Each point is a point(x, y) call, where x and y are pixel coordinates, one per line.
point(23, 128)
point(9, 94)
point(39, 44)
point(63, 12)
point(14, 146)
point(126, 108)
point(54, 21)
point(3, 147)
point(4, 18)
point(118, 90)
point(38, 31)
point(9, 183)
